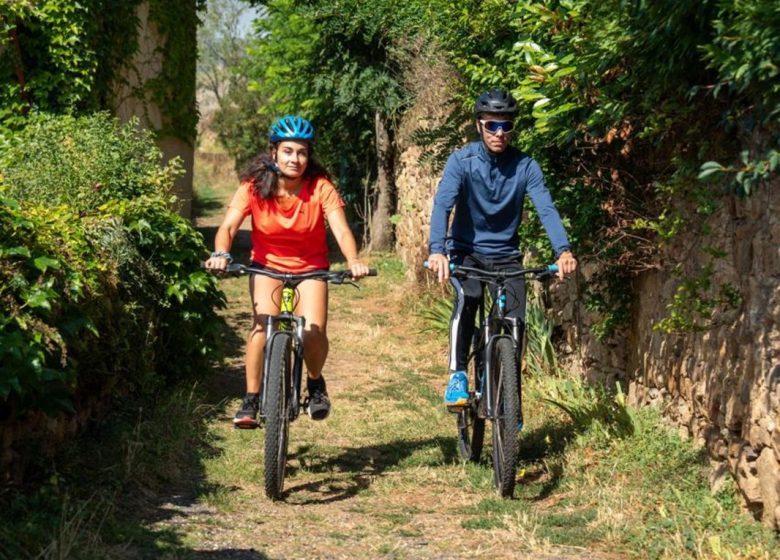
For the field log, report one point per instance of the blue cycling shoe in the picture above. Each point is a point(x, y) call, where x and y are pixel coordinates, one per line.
point(457, 393)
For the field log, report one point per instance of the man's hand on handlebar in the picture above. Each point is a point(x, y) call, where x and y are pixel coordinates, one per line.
point(566, 264)
point(440, 265)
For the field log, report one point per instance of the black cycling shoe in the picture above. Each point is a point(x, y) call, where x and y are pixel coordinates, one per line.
point(318, 403)
point(246, 417)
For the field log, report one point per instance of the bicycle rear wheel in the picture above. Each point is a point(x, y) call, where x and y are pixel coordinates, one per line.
point(507, 414)
point(471, 427)
point(277, 413)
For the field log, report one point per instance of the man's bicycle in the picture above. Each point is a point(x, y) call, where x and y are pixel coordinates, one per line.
point(281, 401)
point(495, 366)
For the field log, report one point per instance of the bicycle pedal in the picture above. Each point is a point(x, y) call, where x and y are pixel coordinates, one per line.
point(457, 408)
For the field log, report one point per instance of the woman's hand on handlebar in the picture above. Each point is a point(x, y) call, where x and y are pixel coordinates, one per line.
point(357, 268)
point(440, 265)
point(566, 264)
point(218, 261)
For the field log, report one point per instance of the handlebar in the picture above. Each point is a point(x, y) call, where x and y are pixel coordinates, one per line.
point(333, 276)
point(539, 272)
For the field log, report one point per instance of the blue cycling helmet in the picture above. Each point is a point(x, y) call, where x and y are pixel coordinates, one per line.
point(291, 128)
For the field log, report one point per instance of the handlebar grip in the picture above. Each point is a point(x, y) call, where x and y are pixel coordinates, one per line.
point(552, 268)
point(232, 268)
point(372, 272)
point(426, 264)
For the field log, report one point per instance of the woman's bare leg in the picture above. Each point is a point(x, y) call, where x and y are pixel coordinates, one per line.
point(264, 293)
point(313, 305)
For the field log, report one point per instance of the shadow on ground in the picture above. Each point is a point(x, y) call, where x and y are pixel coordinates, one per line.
point(539, 450)
point(226, 554)
point(356, 468)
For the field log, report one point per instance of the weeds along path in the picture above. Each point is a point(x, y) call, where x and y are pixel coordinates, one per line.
point(379, 478)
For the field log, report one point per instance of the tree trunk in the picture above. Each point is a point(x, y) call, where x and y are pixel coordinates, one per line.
point(23, 93)
point(381, 225)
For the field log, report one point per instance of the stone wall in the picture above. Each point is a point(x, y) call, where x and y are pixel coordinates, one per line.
point(720, 386)
point(416, 182)
point(723, 385)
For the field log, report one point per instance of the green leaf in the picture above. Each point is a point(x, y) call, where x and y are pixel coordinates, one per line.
point(18, 251)
point(43, 263)
point(710, 168)
point(38, 299)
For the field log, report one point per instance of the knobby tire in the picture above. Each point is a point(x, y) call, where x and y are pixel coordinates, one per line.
point(507, 414)
point(277, 413)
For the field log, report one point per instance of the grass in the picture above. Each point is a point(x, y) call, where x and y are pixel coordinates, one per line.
point(381, 478)
point(595, 473)
point(214, 181)
point(83, 504)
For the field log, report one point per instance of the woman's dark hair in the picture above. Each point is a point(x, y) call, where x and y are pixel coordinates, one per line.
point(263, 173)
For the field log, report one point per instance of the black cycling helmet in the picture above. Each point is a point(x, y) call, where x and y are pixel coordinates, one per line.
point(496, 101)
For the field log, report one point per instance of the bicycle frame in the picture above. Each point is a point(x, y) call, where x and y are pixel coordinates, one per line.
point(495, 327)
point(287, 322)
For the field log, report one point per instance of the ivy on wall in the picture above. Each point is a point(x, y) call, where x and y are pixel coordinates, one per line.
point(66, 57)
point(173, 90)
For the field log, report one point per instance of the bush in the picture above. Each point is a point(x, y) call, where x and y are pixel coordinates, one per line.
point(46, 273)
point(100, 288)
point(84, 162)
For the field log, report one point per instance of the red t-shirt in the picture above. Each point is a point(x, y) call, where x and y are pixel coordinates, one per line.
point(288, 234)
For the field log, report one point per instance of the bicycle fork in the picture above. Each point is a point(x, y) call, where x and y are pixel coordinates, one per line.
point(284, 323)
point(488, 388)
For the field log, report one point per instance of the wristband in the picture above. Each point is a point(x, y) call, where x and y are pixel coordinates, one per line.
point(223, 254)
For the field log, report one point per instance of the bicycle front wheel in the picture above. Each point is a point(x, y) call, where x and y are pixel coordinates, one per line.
point(506, 416)
point(277, 412)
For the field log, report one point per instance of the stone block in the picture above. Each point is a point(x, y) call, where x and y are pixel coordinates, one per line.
point(747, 480)
point(776, 443)
point(719, 449)
point(768, 473)
point(684, 412)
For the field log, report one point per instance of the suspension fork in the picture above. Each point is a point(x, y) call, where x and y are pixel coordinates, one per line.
point(489, 333)
point(287, 322)
point(300, 323)
point(287, 307)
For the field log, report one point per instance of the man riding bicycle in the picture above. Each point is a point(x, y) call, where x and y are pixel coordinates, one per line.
point(486, 183)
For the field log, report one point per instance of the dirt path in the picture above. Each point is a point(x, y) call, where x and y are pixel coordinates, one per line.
point(379, 478)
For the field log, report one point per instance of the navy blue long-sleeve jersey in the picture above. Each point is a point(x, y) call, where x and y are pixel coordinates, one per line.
point(487, 191)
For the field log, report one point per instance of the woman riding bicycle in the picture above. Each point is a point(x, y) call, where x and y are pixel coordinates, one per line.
point(290, 197)
point(486, 183)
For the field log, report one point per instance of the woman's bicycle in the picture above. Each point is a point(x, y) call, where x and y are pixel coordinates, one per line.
point(497, 389)
point(281, 401)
